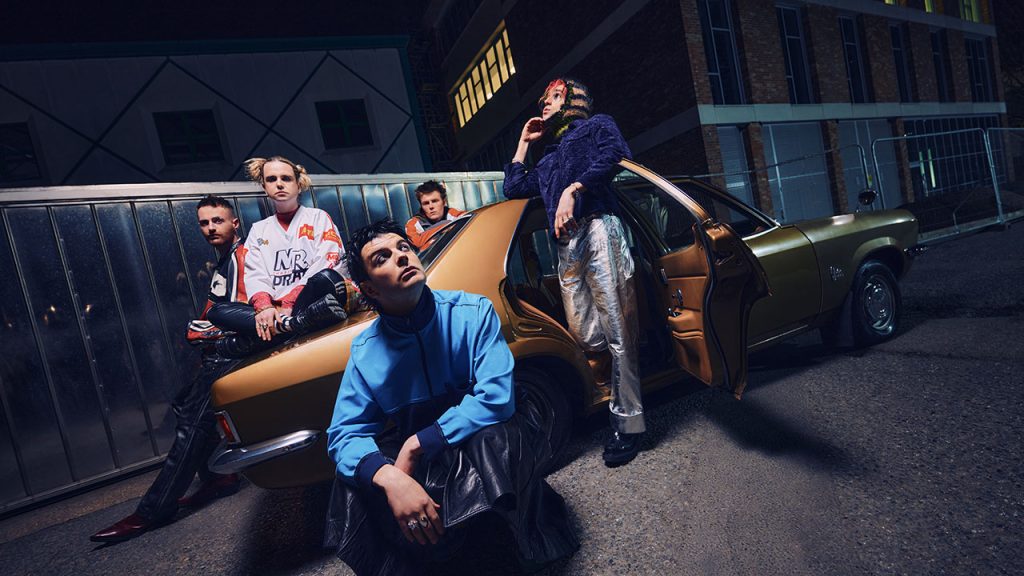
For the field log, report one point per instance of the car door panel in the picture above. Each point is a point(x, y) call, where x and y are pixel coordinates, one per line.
point(710, 278)
point(712, 286)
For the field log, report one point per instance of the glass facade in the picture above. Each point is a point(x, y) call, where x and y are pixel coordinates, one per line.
point(860, 172)
point(734, 163)
point(797, 174)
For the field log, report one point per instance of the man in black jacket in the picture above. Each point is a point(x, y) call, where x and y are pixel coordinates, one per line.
point(195, 434)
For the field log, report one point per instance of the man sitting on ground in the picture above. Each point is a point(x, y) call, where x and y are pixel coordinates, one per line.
point(470, 442)
point(434, 209)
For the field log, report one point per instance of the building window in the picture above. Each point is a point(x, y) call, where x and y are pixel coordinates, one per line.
point(734, 163)
point(720, 49)
point(941, 60)
point(797, 173)
point(899, 56)
point(188, 137)
point(970, 11)
point(484, 78)
point(855, 74)
point(795, 52)
point(344, 124)
point(18, 162)
point(978, 69)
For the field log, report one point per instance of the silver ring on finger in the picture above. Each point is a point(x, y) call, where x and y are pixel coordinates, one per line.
point(412, 525)
point(424, 521)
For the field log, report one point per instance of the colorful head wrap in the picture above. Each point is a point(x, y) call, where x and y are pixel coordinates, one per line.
point(577, 104)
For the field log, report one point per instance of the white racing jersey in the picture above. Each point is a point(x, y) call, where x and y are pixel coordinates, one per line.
point(279, 261)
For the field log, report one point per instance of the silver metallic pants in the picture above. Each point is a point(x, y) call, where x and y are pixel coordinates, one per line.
point(595, 271)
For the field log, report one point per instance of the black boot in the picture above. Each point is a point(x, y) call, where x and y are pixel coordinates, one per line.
point(320, 314)
point(240, 346)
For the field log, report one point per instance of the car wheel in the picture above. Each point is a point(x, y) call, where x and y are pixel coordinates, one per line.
point(552, 404)
point(876, 304)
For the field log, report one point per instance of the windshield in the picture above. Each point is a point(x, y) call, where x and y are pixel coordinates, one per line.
point(442, 238)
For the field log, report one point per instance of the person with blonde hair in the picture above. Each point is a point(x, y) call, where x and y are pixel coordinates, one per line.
point(295, 273)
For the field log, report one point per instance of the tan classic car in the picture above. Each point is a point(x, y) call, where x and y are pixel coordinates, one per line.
point(705, 264)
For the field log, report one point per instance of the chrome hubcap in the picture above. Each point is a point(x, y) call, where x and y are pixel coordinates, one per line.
point(879, 304)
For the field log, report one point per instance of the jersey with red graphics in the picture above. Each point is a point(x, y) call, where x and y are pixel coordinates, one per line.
point(280, 261)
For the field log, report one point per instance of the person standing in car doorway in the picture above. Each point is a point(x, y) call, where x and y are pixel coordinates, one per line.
point(595, 269)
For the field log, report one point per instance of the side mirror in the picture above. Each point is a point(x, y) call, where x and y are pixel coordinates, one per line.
point(867, 197)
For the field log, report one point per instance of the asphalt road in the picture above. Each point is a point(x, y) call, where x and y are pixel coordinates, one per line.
point(901, 459)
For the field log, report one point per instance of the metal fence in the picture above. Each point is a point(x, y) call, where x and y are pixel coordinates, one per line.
point(948, 176)
point(98, 285)
point(1007, 155)
point(800, 185)
point(954, 182)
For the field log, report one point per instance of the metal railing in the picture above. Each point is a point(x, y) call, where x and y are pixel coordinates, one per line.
point(99, 284)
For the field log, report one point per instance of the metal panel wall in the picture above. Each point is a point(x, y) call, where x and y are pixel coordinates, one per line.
point(99, 284)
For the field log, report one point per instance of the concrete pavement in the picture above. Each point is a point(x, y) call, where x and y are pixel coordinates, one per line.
point(900, 459)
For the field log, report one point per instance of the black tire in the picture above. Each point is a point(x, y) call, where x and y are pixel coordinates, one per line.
point(876, 304)
point(552, 402)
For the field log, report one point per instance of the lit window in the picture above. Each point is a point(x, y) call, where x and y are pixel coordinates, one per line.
point(344, 124)
point(484, 78)
point(188, 137)
point(969, 10)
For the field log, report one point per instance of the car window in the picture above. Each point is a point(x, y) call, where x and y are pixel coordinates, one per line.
point(442, 239)
point(667, 218)
point(726, 209)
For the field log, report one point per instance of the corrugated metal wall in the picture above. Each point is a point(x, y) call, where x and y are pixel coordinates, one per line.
point(98, 284)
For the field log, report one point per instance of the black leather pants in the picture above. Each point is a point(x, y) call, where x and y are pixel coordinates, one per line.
point(195, 438)
point(240, 317)
point(497, 472)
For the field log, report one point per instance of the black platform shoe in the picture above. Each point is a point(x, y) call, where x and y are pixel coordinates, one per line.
point(320, 314)
point(621, 449)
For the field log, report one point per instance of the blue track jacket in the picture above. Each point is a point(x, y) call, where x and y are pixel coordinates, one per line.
point(442, 373)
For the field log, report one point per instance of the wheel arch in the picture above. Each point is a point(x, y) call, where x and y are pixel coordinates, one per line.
point(886, 251)
point(562, 374)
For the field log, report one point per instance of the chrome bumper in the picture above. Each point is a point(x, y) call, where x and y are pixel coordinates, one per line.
point(231, 460)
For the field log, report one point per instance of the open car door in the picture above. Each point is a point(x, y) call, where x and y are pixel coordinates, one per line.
point(710, 279)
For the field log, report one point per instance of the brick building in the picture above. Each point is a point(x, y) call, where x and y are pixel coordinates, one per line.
point(760, 90)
